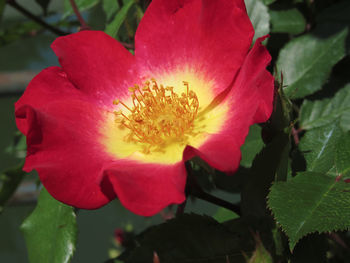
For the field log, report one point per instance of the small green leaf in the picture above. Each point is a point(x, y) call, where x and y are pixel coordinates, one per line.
point(50, 231)
point(342, 155)
point(268, 2)
point(260, 254)
point(113, 28)
point(310, 202)
point(9, 181)
point(287, 21)
point(81, 4)
point(318, 146)
point(110, 7)
point(252, 145)
point(224, 214)
point(314, 114)
point(306, 61)
point(259, 16)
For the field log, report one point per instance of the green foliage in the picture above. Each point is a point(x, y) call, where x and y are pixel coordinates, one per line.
point(110, 7)
point(314, 114)
point(306, 61)
point(319, 146)
point(262, 173)
point(260, 254)
point(224, 214)
point(252, 145)
point(113, 28)
point(287, 21)
point(81, 4)
point(342, 155)
point(50, 231)
point(44, 4)
point(190, 238)
point(268, 2)
point(259, 16)
point(310, 202)
point(9, 181)
point(2, 7)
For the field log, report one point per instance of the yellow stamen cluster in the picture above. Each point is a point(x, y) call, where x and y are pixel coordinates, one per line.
point(158, 115)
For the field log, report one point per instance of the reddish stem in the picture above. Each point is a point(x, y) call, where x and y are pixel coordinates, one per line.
point(295, 134)
point(84, 25)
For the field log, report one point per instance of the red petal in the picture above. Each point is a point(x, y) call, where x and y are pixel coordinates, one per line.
point(62, 138)
point(209, 37)
point(96, 63)
point(255, 82)
point(146, 189)
point(250, 101)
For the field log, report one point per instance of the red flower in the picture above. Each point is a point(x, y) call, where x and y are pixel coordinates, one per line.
point(88, 148)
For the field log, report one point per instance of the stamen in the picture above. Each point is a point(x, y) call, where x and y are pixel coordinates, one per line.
point(159, 116)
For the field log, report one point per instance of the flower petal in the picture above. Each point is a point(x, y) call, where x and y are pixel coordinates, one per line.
point(206, 36)
point(256, 83)
point(250, 101)
point(146, 189)
point(62, 138)
point(96, 63)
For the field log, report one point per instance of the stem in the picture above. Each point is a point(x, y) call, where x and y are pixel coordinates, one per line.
point(217, 201)
point(84, 25)
point(195, 190)
point(33, 17)
point(295, 134)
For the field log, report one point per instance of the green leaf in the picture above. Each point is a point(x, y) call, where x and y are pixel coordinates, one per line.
point(314, 114)
point(81, 4)
point(318, 146)
point(287, 21)
point(259, 16)
point(50, 231)
point(260, 254)
point(9, 181)
point(43, 4)
point(310, 202)
point(110, 7)
point(262, 173)
point(268, 2)
point(342, 155)
point(190, 238)
point(113, 28)
point(224, 214)
point(252, 145)
point(307, 61)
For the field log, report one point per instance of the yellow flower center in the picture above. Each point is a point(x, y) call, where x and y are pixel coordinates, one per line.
point(158, 116)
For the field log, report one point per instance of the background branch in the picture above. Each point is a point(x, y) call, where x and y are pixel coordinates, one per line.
point(35, 18)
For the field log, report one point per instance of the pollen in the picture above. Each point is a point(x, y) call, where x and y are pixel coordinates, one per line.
point(157, 116)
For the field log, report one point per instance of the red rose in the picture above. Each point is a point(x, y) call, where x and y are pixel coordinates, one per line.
point(110, 124)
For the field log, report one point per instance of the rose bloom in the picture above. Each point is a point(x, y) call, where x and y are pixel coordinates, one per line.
point(107, 124)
